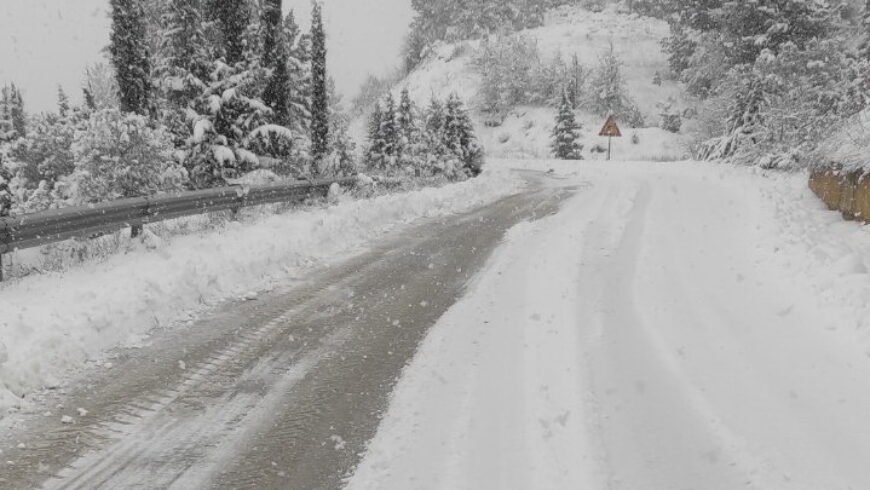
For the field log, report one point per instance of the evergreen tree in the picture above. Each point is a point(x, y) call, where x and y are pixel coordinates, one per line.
point(299, 68)
point(377, 142)
point(566, 132)
point(319, 89)
point(233, 21)
point(13, 120)
point(19, 116)
point(610, 95)
point(63, 106)
point(433, 132)
point(183, 66)
point(130, 56)
point(184, 62)
point(90, 101)
point(459, 136)
point(576, 79)
point(5, 191)
point(407, 129)
point(342, 160)
point(389, 132)
point(276, 58)
point(748, 28)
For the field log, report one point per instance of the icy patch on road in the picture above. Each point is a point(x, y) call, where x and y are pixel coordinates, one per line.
point(55, 322)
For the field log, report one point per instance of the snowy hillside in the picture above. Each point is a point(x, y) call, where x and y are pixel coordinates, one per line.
point(569, 31)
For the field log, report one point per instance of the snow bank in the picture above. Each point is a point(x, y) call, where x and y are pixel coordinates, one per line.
point(55, 322)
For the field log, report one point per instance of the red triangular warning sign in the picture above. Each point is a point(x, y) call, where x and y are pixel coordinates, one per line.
point(610, 128)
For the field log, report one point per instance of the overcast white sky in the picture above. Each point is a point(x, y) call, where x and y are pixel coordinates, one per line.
point(44, 43)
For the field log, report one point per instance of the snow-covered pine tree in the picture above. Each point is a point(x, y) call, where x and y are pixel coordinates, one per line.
point(342, 159)
point(13, 119)
point(377, 143)
point(19, 116)
point(864, 47)
point(299, 68)
point(744, 120)
point(90, 102)
point(389, 132)
point(566, 135)
point(233, 21)
point(230, 117)
point(435, 117)
point(7, 130)
point(183, 66)
point(63, 107)
point(608, 94)
point(5, 191)
point(434, 138)
point(460, 138)
point(129, 53)
point(576, 81)
point(409, 133)
point(185, 62)
point(319, 89)
point(276, 58)
point(749, 28)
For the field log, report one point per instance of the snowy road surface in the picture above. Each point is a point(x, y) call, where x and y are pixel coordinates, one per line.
point(672, 326)
point(282, 392)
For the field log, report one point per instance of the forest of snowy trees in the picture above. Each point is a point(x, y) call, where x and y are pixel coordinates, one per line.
point(775, 77)
point(194, 95)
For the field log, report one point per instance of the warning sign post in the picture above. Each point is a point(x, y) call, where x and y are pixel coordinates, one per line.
point(611, 130)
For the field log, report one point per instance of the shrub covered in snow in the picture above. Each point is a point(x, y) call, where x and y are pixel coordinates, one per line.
point(610, 95)
point(514, 73)
point(121, 155)
point(41, 161)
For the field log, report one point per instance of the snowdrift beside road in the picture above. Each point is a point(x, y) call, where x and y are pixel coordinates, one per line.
point(55, 322)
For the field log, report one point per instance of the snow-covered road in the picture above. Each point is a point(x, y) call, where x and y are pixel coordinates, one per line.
point(675, 327)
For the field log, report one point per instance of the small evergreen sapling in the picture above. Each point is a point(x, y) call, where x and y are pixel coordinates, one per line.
point(566, 133)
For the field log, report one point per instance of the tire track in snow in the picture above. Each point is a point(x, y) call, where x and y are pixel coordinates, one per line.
point(653, 432)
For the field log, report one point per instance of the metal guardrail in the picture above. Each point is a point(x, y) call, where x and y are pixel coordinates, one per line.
point(32, 230)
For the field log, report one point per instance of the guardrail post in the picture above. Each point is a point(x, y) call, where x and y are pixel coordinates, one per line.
point(1, 267)
point(136, 230)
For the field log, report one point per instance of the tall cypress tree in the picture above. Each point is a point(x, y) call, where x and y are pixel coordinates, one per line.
point(130, 57)
point(299, 67)
point(184, 59)
point(233, 20)
point(319, 88)
point(275, 57)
